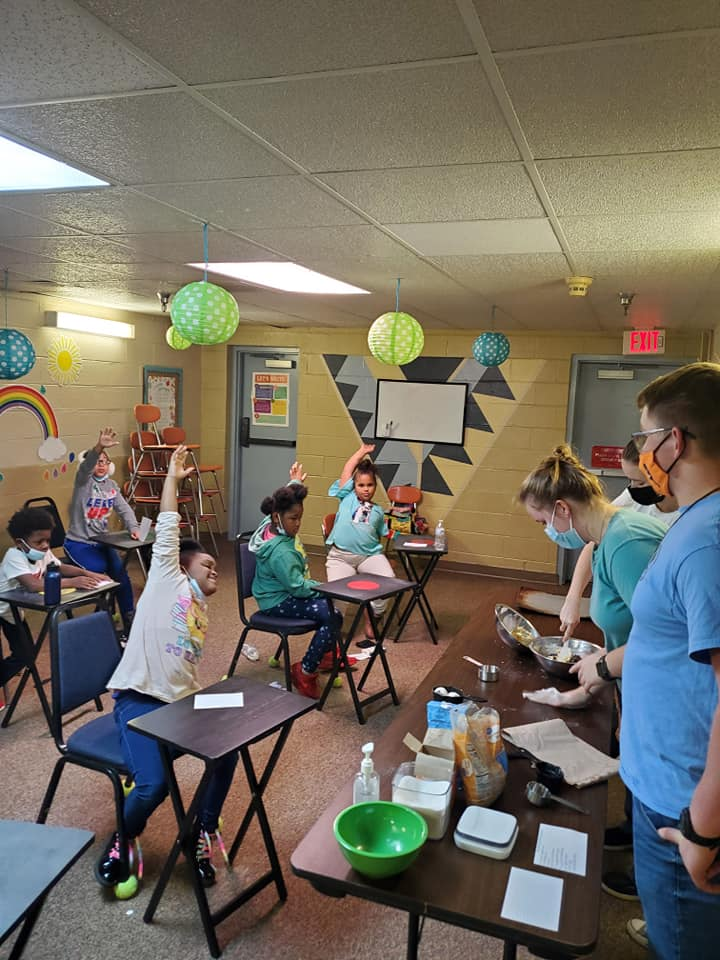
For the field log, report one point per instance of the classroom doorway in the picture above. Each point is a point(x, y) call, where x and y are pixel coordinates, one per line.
point(602, 413)
point(263, 429)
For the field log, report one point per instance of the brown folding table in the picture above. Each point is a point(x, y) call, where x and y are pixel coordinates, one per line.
point(453, 885)
point(410, 548)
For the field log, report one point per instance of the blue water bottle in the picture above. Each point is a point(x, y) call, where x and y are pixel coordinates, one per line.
point(52, 585)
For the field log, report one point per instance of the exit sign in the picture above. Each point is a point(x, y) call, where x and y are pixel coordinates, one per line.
point(644, 341)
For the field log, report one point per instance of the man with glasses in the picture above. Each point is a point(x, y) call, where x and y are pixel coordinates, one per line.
point(670, 735)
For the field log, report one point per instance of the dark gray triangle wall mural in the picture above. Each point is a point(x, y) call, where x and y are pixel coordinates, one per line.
point(357, 387)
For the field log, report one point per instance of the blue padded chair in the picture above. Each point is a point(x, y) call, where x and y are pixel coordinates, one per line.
point(84, 652)
point(282, 627)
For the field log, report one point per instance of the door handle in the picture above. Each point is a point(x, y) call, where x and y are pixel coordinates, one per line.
point(245, 432)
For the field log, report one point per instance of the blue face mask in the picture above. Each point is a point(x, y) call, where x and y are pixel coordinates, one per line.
point(32, 554)
point(195, 587)
point(569, 539)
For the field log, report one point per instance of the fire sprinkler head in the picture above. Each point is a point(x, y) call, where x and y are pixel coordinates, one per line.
point(164, 298)
point(625, 300)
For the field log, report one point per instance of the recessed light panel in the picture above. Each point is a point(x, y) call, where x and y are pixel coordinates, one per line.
point(278, 275)
point(24, 169)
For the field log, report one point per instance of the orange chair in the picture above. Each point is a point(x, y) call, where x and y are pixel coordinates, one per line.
point(327, 523)
point(204, 509)
point(176, 435)
point(400, 515)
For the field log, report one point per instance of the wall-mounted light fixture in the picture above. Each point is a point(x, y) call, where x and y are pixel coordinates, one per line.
point(83, 324)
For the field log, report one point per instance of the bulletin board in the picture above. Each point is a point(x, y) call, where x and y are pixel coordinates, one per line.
point(421, 411)
point(162, 386)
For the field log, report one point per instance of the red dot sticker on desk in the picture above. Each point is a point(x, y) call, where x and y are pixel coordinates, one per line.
point(363, 585)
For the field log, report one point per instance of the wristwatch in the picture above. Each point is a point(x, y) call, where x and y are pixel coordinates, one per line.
point(602, 669)
point(688, 831)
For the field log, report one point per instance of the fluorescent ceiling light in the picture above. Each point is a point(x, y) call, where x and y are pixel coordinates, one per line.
point(290, 277)
point(24, 169)
point(77, 321)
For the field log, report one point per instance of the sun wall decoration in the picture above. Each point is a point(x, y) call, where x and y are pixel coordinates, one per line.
point(64, 361)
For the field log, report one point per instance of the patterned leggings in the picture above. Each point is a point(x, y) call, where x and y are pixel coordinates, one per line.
point(326, 617)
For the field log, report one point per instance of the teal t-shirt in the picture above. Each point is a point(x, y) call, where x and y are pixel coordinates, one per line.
point(618, 562)
point(359, 526)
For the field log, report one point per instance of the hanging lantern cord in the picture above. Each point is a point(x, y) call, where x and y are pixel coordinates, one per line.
point(397, 296)
point(7, 274)
point(492, 317)
point(205, 250)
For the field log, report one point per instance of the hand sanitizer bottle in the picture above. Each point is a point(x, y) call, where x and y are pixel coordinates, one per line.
point(440, 536)
point(367, 782)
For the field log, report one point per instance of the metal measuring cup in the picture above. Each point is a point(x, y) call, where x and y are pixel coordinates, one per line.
point(539, 795)
point(487, 672)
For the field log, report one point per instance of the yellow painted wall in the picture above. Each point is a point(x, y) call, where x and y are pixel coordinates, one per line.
point(110, 383)
point(483, 523)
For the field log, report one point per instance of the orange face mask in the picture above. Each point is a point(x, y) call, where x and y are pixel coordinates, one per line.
point(657, 476)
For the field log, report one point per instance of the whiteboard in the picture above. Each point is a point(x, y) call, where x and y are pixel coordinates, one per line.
point(419, 411)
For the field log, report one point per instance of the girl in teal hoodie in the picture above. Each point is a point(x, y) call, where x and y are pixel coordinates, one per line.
point(283, 587)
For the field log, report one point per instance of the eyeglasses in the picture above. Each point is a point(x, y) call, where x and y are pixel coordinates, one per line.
point(640, 436)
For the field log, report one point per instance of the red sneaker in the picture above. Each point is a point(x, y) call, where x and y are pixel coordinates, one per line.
point(326, 664)
point(305, 684)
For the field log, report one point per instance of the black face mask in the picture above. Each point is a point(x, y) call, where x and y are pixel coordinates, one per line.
point(645, 496)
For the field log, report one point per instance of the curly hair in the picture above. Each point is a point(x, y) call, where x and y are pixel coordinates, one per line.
point(561, 476)
point(366, 466)
point(26, 521)
point(284, 498)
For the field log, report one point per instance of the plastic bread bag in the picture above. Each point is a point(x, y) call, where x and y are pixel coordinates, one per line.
point(568, 699)
point(479, 754)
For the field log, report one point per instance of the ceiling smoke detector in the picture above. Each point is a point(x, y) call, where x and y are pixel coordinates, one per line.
point(578, 286)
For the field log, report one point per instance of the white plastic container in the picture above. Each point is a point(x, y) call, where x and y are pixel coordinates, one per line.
point(488, 832)
point(432, 799)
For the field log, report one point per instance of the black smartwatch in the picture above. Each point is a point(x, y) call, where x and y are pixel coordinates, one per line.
point(602, 669)
point(688, 831)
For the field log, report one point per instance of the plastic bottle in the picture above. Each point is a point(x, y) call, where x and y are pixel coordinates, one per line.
point(440, 540)
point(367, 782)
point(52, 584)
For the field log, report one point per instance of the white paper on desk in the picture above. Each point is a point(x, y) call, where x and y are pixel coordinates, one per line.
point(533, 898)
point(144, 530)
point(103, 583)
point(414, 543)
point(215, 701)
point(561, 849)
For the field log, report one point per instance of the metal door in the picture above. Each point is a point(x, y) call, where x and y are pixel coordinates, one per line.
point(264, 430)
point(602, 411)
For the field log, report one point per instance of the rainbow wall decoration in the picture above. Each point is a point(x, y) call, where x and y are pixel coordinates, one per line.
point(21, 397)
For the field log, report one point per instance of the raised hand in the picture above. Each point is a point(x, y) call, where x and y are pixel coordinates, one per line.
point(366, 449)
point(107, 438)
point(177, 467)
point(297, 472)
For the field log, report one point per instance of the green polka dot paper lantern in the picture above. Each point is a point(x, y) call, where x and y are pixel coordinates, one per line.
point(204, 313)
point(176, 340)
point(491, 349)
point(17, 355)
point(396, 338)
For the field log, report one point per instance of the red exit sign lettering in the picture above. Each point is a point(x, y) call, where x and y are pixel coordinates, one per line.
point(643, 341)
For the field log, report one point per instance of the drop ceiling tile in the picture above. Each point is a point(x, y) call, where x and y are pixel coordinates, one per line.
point(463, 192)
point(626, 98)
point(672, 231)
point(478, 237)
point(428, 116)
point(74, 249)
point(257, 202)
point(62, 273)
point(51, 50)
point(158, 138)
point(493, 275)
point(187, 247)
point(640, 269)
point(15, 224)
point(546, 306)
point(639, 184)
point(515, 24)
point(346, 243)
point(105, 210)
point(223, 40)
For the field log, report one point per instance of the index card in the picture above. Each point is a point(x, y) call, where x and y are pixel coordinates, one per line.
point(215, 701)
point(533, 898)
point(144, 530)
point(561, 849)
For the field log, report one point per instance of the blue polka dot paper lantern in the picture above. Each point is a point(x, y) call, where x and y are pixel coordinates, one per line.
point(204, 313)
point(17, 355)
point(396, 338)
point(491, 349)
point(176, 340)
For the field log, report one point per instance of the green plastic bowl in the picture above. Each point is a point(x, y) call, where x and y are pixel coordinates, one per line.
point(380, 839)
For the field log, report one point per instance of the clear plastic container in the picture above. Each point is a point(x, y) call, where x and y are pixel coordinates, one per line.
point(432, 799)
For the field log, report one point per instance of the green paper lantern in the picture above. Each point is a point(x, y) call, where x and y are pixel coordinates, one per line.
point(396, 338)
point(17, 354)
point(176, 340)
point(204, 313)
point(491, 349)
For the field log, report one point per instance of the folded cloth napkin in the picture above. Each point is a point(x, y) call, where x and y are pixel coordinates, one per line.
point(551, 740)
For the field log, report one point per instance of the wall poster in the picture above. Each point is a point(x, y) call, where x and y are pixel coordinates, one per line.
point(271, 399)
point(162, 386)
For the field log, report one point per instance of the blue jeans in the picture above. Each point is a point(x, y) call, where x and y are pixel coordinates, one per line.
point(683, 923)
point(100, 558)
point(326, 617)
point(142, 757)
